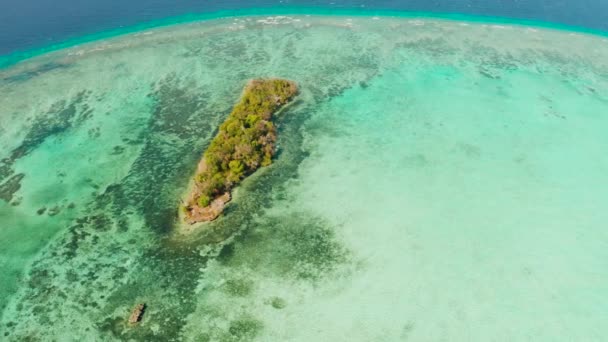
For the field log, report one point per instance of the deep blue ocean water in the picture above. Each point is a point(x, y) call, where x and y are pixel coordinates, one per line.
point(32, 24)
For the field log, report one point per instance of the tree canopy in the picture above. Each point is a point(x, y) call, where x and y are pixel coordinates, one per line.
point(245, 141)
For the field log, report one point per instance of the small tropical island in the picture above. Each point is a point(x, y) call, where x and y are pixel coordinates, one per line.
point(244, 143)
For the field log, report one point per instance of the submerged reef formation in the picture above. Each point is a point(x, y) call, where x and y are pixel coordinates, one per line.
point(244, 142)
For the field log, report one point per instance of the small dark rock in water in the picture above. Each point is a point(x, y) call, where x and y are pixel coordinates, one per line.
point(117, 150)
point(137, 314)
point(54, 211)
point(71, 205)
point(489, 74)
point(17, 202)
point(278, 303)
point(41, 211)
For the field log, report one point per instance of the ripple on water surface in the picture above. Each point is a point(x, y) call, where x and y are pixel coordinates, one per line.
point(435, 180)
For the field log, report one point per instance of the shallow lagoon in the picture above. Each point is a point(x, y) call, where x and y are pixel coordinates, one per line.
point(436, 180)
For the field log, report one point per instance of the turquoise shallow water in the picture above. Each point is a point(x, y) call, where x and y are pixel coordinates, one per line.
point(435, 180)
point(19, 55)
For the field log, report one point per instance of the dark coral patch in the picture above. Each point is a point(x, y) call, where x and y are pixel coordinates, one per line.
point(10, 187)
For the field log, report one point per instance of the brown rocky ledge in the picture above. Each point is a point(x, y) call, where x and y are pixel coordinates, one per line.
point(137, 314)
point(210, 212)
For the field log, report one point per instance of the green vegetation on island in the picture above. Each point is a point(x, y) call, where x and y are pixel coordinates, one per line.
point(244, 142)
